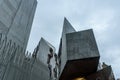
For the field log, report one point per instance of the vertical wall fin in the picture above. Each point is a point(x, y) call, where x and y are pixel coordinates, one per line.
point(67, 28)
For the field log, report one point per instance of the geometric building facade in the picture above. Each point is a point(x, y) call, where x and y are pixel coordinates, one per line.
point(81, 50)
point(16, 19)
point(80, 56)
point(77, 58)
point(46, 54)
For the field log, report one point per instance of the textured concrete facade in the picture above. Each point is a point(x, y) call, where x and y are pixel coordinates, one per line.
point(67, 28)
point(22, 67)
point(16, 19)
point(77, 49)
point(43, 50)
point(81, 45)
point(46, 54)
point(79, 56)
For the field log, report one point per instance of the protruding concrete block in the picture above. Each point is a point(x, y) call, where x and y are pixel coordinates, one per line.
point(81, 45)
point(77, 51)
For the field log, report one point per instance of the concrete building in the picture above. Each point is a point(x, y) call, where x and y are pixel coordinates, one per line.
point(78, 50)
point(46, 54)
point(77, 59)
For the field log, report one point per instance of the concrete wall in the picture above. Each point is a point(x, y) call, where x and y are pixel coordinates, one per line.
point(14, 67)
point(43, 51)
point(67, 28)
point(8, 8)
point(81, 45)
point(40, 71)
point(104, 74)
point(27, 71)
point(16, 18)
point(21, 24)
point(43, 56)
point(8, 52)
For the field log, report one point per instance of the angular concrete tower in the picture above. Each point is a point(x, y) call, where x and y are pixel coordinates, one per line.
point(46, 54)
point(16, 17)
point(67, 28)
point(77, 51)
point(43, 50)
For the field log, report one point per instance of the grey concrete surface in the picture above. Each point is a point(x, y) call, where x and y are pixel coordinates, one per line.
point(76, 46)
point(16, 19)
point(43, 56)
point(67, 28)
point(81, 45)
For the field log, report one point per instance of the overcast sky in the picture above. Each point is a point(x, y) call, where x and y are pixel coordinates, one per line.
point(103, 16)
